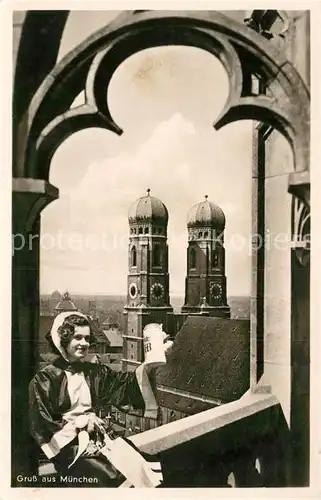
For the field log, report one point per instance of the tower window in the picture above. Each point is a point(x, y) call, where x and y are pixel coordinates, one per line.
point(159, 230)
point(214, 258)
point(146, 231)
point(134, 257)
point(192, 258)
point(206, 234)
point(140, 230)
point(200, 234)
point(157, 256)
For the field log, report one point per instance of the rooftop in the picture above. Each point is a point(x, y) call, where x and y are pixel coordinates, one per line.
point(65, 304)
point(114, 337)
point(218, 354)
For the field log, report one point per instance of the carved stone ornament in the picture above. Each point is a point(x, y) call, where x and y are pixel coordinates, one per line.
point(301, 241)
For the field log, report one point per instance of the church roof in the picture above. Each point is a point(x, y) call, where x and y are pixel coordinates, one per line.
point(148, 209)
point(210, 358)
point(114, 337)
point(109, 322)
point(187, 405)
point(98, 332)
point(65, 304)
point(206, 213)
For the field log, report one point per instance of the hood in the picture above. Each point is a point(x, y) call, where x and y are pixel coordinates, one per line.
point(54, 335)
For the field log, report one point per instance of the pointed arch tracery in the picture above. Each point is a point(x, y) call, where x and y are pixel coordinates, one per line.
point(282, 100)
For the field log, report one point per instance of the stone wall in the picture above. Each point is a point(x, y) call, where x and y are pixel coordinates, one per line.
point(278, 206)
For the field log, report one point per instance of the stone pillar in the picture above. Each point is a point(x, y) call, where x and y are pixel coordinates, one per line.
point(260, 133)
point(30, 196)
point(300, 331)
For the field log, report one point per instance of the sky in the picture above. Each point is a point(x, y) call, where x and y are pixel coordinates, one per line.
point(165, 99)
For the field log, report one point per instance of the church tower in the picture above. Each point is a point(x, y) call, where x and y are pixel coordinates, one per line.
point(148, 279)
point(205, 285)
point(65, 304)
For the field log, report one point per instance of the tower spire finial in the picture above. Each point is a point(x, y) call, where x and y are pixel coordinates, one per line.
point(206, 196)
point(148, 191)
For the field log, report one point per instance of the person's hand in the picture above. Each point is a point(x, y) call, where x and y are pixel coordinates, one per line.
point(91, 450)
point(95, 425)
point(168, 344)
point(91, 423)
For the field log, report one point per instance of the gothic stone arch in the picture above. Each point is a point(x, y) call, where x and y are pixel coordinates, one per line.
point(43, 122)
point(284, 104)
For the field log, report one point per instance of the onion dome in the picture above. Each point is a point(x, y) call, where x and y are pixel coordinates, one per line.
point(206, 214)
point(148, 209)
point(65, 304)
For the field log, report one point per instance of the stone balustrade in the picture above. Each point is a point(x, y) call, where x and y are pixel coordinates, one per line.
point(242, 443)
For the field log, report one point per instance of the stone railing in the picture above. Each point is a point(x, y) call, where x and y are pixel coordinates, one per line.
point(242, 443)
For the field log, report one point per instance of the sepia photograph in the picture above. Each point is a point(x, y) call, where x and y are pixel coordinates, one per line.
point(160, 329)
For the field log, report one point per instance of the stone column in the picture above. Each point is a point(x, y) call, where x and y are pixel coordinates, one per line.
point(300, 330)
point(30, 196)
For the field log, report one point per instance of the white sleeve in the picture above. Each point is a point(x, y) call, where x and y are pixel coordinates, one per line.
point(59, 440)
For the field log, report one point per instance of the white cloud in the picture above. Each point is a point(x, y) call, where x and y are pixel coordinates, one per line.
point(111, 186)
point(180, 163)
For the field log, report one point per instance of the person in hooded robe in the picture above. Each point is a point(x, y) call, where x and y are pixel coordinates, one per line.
point(66, 396)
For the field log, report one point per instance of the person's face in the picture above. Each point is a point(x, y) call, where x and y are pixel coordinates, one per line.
point(78, 347)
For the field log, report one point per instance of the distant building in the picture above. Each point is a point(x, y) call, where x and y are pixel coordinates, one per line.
point(209, 364)
point(65, 304)
point(56, 295)
point(110, 323)
point(102, 343)
point(205, 285)
point(115, 340)
point(148, 278)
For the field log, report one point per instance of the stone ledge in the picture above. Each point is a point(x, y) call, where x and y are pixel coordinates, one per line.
point(186, 394)
point(34, 186)
point(299, 185)
point(175, 433)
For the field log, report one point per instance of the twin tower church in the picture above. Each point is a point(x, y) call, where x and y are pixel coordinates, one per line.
point(148, 299)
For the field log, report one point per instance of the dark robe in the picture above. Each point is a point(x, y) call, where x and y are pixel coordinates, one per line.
point(49, 401)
